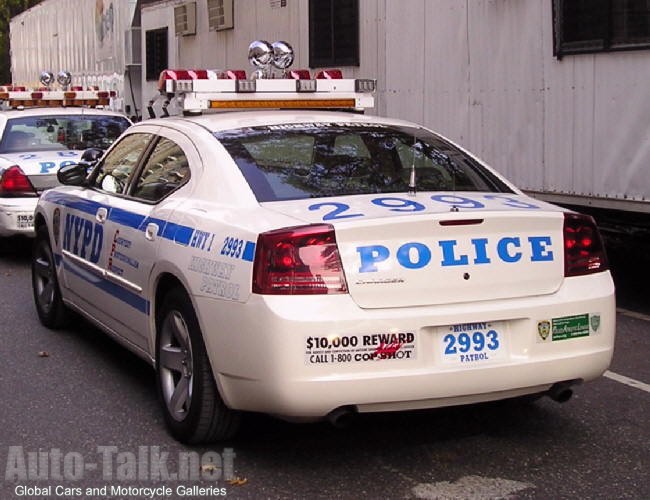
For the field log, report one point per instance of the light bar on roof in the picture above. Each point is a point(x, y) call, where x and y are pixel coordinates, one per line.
point(199, 90)
point(55, 98)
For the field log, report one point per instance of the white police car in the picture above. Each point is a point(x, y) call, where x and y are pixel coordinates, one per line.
point(36, 141)
point(312, 263)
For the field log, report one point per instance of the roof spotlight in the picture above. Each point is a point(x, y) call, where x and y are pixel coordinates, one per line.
point(46, 78)
point(64, 78)
point(260, 53)
point(282, 55)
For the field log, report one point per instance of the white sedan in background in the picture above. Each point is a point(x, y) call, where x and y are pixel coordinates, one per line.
point(312, 264)
point(34, 144)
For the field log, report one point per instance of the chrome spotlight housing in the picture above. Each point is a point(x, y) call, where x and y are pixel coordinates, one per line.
point(282, 54)
point(46, 78)
point(64, 78)
point(260, 54)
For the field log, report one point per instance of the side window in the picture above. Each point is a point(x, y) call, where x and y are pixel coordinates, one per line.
point(113, 173)
point(165, 170)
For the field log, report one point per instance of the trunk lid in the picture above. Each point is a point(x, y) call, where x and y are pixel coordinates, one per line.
point(41, 167)
point(429, 249)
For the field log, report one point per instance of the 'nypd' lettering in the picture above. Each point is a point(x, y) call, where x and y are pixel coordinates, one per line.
point(416, 255)
point(82, 237)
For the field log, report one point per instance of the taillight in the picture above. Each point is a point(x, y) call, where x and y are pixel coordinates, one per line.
point(584, 252)
point(298, 261)
point(13, 182)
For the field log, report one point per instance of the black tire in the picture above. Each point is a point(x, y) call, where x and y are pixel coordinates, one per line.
point(52, 312)
point(193, 409)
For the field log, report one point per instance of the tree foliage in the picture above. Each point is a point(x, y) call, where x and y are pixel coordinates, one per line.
point(9, 9)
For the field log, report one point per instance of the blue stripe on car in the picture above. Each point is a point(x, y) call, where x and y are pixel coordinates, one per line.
point(113, 289)
point(167, 230)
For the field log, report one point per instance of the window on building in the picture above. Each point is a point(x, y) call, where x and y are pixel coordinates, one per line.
point(333, 33)
point(156, 51)
point(584, 26)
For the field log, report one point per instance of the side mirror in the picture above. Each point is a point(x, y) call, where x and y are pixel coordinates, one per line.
point(90, 157)
point(72, 175)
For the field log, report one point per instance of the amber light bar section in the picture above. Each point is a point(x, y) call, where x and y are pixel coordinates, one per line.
point(282, 103)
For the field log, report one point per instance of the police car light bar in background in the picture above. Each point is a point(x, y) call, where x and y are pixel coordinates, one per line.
point(272, 85)
point(16, 97)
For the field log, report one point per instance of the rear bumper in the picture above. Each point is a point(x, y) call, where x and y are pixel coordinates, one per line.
point(17, 216)
point(258, 351)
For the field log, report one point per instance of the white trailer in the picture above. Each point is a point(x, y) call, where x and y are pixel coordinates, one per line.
point(483, 72)
point(95, 40)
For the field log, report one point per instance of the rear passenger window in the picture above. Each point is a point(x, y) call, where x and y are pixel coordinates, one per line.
point(166, 169)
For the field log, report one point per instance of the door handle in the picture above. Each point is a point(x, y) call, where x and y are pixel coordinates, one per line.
point(101, 215)
point(151, 231)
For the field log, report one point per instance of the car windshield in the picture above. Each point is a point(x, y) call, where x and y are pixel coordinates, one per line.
point(61, 132)
point(298, 161)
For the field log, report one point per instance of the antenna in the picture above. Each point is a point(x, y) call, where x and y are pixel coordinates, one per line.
point(412, 177)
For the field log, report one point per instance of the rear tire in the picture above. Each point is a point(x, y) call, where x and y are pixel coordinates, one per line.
point(193, 409)
point(52, 312)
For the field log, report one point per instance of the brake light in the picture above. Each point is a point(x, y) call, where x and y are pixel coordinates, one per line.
point(584, 252)
point(14, 182)
point(300, 260)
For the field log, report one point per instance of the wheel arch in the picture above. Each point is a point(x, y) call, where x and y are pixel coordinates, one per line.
point(39, 221)
point(166, 280)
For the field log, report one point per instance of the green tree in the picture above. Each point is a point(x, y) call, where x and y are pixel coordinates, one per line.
point(9, 9)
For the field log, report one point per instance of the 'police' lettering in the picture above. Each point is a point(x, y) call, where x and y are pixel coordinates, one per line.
point(538, 248)
point(449, 257)
point(83, 238)
point(370, 256)
point(416, 255)
point(420, 256)
point(47, 166)
point(505, 254)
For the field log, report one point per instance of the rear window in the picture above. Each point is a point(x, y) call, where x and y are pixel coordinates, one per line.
point(61, 132)
point(298, 161)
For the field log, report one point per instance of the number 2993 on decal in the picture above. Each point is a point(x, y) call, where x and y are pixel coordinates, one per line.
point(472, 344)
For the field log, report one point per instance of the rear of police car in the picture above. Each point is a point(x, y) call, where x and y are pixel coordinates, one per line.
point(34, 143)
point(399, 272)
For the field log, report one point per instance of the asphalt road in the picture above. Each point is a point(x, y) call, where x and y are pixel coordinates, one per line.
point(79, 412)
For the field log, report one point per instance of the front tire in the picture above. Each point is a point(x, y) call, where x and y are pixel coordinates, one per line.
point(51, 310)
point(193, 409)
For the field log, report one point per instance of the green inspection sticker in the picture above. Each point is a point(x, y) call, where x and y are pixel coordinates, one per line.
point(570, 327)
